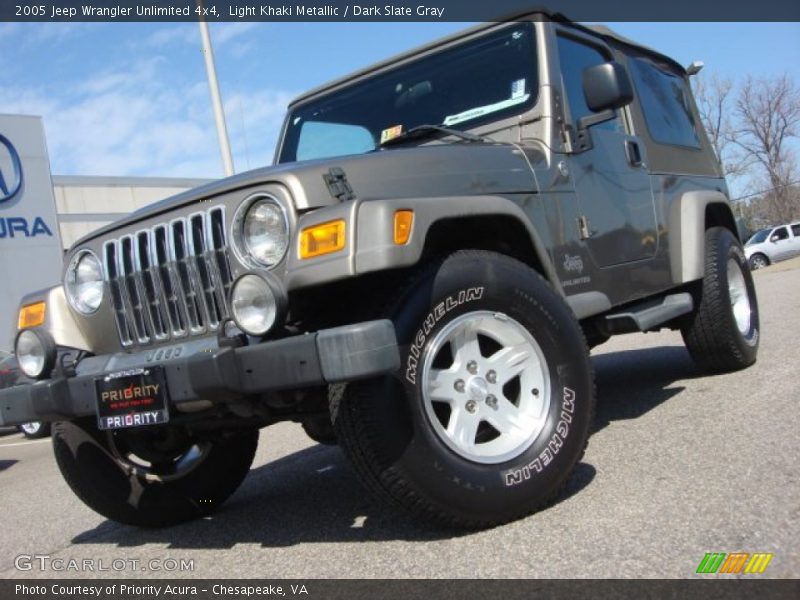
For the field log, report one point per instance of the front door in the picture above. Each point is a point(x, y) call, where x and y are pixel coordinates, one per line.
point(781, 243)
point(611, 180)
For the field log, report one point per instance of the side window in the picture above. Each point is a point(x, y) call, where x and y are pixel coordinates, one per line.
point(781, 233)
point(665, 103)
point(796, 230)
point(575, 57)
point(319, 139)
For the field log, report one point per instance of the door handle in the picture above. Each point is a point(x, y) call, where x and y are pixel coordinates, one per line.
point(633, 153)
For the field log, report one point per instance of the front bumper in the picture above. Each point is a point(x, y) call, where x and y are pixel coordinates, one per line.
point(221, 375)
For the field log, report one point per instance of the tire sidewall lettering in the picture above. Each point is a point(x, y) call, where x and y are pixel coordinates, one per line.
point(418, 342)
point(554, 445)
point(516, 475)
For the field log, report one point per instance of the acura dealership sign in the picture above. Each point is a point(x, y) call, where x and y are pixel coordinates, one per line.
point(9, 190)
point(30, 245)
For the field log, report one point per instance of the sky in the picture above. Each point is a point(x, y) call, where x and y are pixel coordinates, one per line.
point(123, 99)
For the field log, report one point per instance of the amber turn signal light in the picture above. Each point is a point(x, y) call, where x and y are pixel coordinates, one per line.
point(403, 222)
point(31, 315)
point(322, 239)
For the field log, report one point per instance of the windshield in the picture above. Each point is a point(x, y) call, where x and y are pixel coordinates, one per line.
point(758, 237)
point(484, 79)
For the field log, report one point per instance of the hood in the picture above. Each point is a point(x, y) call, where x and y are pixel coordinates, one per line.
point(425, 171)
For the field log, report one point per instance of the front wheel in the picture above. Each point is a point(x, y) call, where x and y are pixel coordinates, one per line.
point(154, 477)
point(723, 332)
point(320, 429)
point(758, 261)
point(491, 408)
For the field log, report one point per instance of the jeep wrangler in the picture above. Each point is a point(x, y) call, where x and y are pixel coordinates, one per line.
point(418, 278)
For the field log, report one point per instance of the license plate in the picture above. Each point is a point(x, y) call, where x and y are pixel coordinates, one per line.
point(134, 398)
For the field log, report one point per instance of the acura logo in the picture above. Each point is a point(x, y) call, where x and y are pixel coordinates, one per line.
point(10, 170)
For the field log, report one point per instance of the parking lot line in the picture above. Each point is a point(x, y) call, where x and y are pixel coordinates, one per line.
point(25, 443)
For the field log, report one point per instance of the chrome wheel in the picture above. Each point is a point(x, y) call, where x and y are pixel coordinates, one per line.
point(161, 455)
point(757, 261)
point(32, 428)
point(740, 300)
point(154, 478)
point(486, 387)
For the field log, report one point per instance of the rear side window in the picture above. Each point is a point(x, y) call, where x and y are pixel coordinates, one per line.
point(796, 230)
point(665, 104)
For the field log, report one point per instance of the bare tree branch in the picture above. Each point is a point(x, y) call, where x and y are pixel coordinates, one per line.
point(768, 118)
point(715, 100)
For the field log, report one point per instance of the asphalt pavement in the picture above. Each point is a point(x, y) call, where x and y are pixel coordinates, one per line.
point(679, 464)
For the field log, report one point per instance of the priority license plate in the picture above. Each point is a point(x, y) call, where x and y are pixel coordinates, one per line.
point(133, 398)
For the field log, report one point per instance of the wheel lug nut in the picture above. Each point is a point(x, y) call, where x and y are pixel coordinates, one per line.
point(491, 377)
point(535, 391)
point(472, 406)
point(459, 385)
point(472, 367)
point(491, 401)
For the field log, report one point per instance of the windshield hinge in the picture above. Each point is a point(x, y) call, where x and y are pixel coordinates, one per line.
point(337, 183)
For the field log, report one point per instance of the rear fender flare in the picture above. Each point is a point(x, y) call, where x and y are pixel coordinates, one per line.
point(687, 228)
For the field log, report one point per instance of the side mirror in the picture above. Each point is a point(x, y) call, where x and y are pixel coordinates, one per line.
point(774, 239)
point(606, 87)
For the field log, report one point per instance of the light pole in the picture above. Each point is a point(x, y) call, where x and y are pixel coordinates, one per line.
point(216, 99)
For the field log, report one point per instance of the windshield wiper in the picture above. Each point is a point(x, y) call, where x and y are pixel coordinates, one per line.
point(424, 131)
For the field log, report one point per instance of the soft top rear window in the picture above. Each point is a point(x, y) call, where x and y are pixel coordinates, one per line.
point(666, 104)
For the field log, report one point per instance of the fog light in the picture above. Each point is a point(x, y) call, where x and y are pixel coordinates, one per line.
point(257, 303)
point(36, 353)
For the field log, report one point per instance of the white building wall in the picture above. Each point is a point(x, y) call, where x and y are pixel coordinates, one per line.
point(86, 203)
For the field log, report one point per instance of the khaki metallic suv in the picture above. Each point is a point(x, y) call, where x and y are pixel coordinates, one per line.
point(418, 278)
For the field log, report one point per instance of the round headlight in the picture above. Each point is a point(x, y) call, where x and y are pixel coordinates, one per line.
point(256, 304)
point(36, 353)
point(262, 232)
point(83, 282)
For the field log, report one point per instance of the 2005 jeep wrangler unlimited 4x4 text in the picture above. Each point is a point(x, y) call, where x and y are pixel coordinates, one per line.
point(418, 278)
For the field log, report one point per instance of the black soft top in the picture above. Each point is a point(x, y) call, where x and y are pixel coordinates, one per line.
point(532, 14)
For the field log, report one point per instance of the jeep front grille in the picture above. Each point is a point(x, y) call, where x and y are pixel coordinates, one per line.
point(171, 280)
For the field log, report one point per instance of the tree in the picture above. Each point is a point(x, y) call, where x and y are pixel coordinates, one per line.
point(715, 99)
point(768, 118)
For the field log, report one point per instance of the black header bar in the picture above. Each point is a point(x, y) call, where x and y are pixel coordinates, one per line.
point(392, 10)
point(348, 589)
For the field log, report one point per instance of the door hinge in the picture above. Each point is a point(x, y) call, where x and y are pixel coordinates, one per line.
point(584, 229)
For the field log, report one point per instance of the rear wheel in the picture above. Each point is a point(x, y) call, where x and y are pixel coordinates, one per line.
point(492, 406)
point(723, 332)
point(151, 478)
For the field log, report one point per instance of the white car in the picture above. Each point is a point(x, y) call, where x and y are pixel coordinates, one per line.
point(772, 245)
